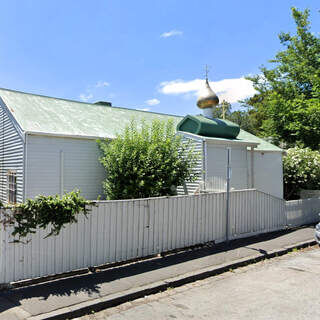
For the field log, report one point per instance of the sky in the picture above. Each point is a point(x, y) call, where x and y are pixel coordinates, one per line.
point(147, 55)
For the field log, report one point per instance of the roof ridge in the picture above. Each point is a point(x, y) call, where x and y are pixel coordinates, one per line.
point(90, 104)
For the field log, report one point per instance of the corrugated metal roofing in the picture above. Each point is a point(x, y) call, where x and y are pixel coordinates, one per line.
point(47, 115)
point(263, 146)
point(66, 117)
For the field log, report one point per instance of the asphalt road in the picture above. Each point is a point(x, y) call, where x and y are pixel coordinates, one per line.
point(286, 287)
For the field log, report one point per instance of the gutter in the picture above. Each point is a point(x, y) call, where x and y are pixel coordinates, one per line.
point(63, 135)
point(232, 143)
point(271, 151)
point(219, 141)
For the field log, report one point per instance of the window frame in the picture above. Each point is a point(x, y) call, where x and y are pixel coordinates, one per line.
point(12, 186)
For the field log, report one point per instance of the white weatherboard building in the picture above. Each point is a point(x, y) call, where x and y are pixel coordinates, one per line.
point(48, 146)
point(251, 161)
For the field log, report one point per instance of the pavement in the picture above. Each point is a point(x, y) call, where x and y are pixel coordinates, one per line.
point(280, 288)
point(78, 295)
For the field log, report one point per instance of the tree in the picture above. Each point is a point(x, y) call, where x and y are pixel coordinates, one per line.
point(146, 161)
point(287, 105)
point(223, 108)
point(240, 117)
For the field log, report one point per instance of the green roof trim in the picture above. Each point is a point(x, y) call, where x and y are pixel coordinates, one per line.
point(47, 115)
point(203, 126)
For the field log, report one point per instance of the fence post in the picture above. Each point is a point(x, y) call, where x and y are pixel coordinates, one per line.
point(228, 193)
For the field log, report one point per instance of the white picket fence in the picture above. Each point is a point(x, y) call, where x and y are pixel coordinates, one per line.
point(121, 230)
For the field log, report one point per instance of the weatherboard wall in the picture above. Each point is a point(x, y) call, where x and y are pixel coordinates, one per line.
point(198, 147)
point(217, 165)
point(55, 165)
point(268, 172)
point(11, 154)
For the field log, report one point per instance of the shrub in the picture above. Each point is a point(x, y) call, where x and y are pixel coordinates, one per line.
point(146, 161)
point(301, 170)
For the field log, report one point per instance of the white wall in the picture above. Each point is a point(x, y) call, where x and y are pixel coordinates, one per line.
point(11, 154)
point(217, 165)
point(192, 187)
point(268, 175)
point(54, 164)
point(82, 170)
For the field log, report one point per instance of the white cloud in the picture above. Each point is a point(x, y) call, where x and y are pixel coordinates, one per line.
point(152, 102)
point(101, 84)
point(231, 90)
point(144, 109)
point(86, 97)
point(171, 33)
point(92, 90)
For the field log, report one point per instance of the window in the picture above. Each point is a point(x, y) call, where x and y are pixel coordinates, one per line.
point(12, 187)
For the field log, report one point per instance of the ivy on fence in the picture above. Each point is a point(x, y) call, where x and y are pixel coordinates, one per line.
point(53, 212)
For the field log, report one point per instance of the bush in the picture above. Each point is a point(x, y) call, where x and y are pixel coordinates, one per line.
point(146, 161)
point(301, 170)
point(44, 211)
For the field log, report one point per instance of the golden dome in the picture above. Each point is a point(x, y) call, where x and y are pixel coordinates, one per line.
point(208, 99)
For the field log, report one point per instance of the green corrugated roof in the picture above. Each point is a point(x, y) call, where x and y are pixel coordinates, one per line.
point(36, 113)
point(263, 146)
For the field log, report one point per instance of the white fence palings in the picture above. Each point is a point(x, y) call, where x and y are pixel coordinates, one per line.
point(121, 230)
point(116, 231)
point(303, 211)
point(253, 212)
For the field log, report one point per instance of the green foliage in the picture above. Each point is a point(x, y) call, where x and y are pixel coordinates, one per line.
point(241, 117)
point(146, 161)
point(301, 170)
point(287, 105)
point(224, 106)
point(45, 211)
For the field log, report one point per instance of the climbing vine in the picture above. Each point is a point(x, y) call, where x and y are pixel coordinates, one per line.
point(52, 212)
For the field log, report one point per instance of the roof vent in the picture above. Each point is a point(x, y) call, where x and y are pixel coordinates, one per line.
point(104, 103)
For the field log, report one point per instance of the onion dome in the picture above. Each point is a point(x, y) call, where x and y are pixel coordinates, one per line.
point(208, 99)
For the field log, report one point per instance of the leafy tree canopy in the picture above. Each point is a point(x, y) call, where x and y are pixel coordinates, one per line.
point(287, 104)
point(241, 117)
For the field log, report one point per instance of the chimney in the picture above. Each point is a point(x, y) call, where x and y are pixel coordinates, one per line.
point(103, 103)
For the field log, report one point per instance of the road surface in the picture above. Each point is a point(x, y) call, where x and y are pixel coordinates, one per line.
point(286, 287)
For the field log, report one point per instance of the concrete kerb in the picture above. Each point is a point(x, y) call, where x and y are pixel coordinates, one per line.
point(136, 293)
